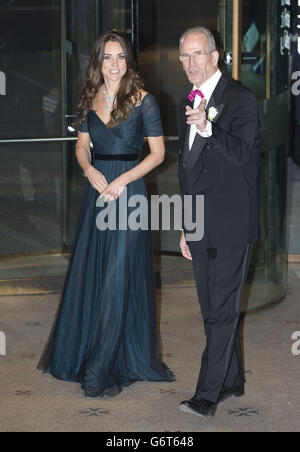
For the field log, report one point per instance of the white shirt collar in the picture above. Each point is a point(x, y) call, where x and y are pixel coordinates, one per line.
point(209, 86)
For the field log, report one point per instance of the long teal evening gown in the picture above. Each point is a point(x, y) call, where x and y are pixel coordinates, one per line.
point(105, 333)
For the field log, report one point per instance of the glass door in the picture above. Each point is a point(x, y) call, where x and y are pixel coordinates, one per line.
point(85, 21)
point(31, 119)
point(263, 67)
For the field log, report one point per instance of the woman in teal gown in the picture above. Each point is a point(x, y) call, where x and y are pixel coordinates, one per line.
point(105, 333)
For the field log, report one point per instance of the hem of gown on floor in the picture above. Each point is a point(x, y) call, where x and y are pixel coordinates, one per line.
point(79, 380)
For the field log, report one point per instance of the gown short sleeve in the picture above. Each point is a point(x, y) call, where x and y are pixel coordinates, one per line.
point(151, 117)
point(84, 126)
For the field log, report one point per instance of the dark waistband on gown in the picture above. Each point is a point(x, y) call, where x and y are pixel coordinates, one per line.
point(122, 157)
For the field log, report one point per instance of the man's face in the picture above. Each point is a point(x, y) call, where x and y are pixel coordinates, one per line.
point(198, 63)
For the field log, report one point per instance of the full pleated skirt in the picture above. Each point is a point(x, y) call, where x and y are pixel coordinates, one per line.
point(105, 332)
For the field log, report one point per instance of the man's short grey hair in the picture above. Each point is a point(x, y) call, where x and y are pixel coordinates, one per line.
point(211, 42)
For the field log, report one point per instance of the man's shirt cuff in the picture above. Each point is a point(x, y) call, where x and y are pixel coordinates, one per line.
point(208, 132)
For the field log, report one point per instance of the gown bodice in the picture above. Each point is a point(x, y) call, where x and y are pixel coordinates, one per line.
point(127, 137)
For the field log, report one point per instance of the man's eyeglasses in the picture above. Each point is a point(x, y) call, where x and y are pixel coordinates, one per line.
point(197, 56)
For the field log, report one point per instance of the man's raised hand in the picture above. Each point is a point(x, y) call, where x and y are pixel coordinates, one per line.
point(197, 116)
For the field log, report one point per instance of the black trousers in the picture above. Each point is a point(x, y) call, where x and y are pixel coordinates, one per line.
point(220, 275)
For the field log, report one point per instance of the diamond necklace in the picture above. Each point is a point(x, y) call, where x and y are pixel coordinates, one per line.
point(109, 101)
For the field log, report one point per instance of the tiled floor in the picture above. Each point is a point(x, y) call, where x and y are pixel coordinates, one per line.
point(33, 402)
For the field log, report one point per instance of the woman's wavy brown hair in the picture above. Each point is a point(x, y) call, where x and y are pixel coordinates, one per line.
point(128, 95)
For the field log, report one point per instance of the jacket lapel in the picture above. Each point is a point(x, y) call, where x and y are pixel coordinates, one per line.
point(185, 129)
point(215, 102)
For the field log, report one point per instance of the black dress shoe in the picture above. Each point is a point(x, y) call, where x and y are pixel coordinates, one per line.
point(199, 407)
point(234, 391)
point(113, 391)
point(93, 392)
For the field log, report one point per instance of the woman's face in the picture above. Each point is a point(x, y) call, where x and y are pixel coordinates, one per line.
point(114, 65)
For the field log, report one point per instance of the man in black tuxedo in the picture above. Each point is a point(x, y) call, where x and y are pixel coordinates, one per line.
point(219, 158)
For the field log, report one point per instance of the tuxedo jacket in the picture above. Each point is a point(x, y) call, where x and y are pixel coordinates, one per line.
point(224, 168)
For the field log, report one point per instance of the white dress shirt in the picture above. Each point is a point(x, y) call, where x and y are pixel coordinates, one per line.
point(207, 89)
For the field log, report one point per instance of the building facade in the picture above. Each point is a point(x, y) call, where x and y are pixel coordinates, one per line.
point(44, 46)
